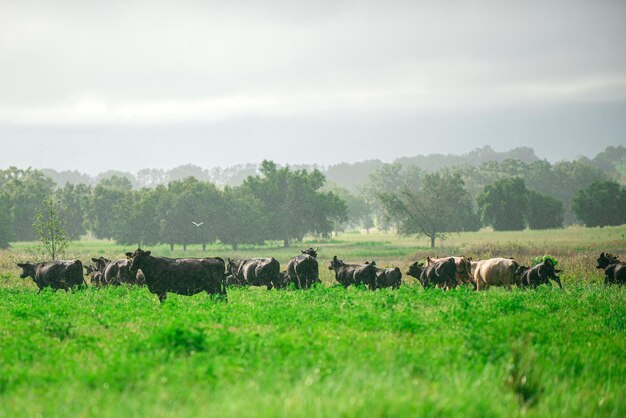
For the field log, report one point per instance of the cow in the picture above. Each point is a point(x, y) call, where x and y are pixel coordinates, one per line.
point(184, 276)
point(355, 274)
point(614, 270)
point(303, 269)
point(463, 271)
point(441, 274)
point(256, 272)
point(116, 272)
point(95, 276)
point(387, 277)
point(495, 272)
point(539, 274)
point(415, 270)
point(55, 274)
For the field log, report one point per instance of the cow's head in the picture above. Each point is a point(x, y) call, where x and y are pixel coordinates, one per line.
point(138, 259)
point(464, 270)
point(311, 251)
point(232, 266)
point(28, 270)
point(415, 270)
point(336, 263)
point(606, 260)
point(101, 263)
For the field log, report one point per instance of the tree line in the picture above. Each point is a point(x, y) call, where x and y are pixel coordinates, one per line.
point(285, 204)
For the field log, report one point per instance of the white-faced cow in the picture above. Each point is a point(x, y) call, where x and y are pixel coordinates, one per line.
point(614, 270)
point(55, 274)
point(256, 272)
point(540, 274)
point(184, 276)
point(303, 269)
point(495, 272)
point(387, 277)
point(353, 274)
point(463, 272)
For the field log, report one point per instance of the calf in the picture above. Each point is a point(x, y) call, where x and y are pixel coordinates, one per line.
point(54, 274)
point(303, 270)
point(256, 272)
point(184, 276)
point(387, 277)
point(495, 272)
point(539, 274)
point(355, 274)
point(95, 276)
point(614, 270)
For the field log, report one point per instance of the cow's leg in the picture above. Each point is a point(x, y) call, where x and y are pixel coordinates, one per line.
point(558, 280)
point(162, 296)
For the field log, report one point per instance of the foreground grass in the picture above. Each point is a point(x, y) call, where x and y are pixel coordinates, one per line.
point(325, 352)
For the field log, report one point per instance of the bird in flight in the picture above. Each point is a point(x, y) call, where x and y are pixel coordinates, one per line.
point(196, 223)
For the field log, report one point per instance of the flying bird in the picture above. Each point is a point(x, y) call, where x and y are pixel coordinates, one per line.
point(196, 223)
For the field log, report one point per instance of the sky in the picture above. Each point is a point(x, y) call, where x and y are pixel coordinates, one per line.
point(126, 85)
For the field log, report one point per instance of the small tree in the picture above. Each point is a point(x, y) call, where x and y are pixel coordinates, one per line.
point(51, 227)
point(602, 203)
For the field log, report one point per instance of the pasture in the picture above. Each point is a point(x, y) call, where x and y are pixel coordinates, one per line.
point(328, 351)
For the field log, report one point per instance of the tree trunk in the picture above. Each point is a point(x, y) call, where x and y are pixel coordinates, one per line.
point(184, 247)
point(286, 243)
point(432, 241)
point(171, 247)
point(203, 247)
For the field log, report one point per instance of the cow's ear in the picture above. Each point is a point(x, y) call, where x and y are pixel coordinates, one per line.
point(558, 271)
point(601, 255)
point(148, 252)
point(95, 260)
point(129, 254)
point(22, 265)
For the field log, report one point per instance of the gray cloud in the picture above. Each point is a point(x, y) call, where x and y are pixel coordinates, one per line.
point(130, 71)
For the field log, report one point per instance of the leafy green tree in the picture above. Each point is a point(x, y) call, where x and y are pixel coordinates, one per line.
point(434, 208)
point(106, 199)
point(6, 230)
point(191, 213)
point(25, 190)
point(544, 212)
point(75, 198)
point(602, 203)
point(359, 210)
point(51, 227)
point(503, 204)
point(242, 220)
point(292, 201)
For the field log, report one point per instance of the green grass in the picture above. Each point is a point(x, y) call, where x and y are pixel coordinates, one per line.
point(325, 352)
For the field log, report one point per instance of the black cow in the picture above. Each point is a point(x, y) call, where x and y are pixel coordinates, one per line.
point(415, 270)
point(441, 274)
point(95, 276)
point(303, 270)
point(184, 276)
point(54, 274)
point(255, 272)
point(539, 274)
point(115, 272)
point(614, 270)
point(387, 277)
point(355, 274)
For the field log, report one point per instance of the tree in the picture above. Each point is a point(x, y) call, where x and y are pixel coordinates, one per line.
point(503, 204)
point(75, 198)
point(292, 201)
point(51, 227)
point(6, 231)
point(107, 197)
point(602, 203)
point(544, 211)
point(438, 206)
point(243, 220)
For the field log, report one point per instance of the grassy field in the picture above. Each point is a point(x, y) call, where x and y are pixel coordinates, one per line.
point(328, 351)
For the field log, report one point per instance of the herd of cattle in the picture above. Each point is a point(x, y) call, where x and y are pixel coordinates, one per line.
point(188, 276)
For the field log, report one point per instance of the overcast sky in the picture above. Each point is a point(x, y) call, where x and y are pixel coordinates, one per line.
point(126, 85)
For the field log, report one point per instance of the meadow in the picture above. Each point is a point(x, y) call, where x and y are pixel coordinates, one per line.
point(329, 351)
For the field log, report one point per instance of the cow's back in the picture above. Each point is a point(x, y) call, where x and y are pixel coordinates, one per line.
point(495, 272)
